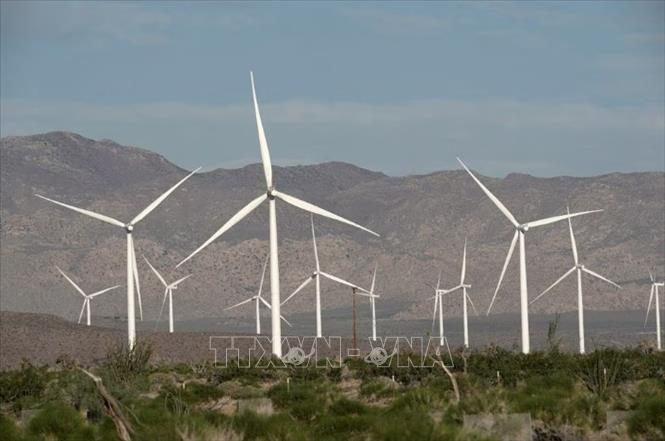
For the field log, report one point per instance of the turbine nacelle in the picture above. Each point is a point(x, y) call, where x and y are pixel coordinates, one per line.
point(129, 228)
point(523, 228)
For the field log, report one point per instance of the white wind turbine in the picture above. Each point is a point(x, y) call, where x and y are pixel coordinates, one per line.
point(654, 289)
point(579, 268)
point(316, 276)
point(132, 270)
point(520, 233)
point(258, 300)
point(372, 298)
point(271, 194)
point(168, 292)
point(465, 298)
point(86, 297)
point(438, 306)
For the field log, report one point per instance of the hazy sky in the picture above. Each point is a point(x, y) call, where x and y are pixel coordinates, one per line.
point(573, 88)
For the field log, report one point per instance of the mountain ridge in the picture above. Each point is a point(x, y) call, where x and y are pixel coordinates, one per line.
point(423, 220)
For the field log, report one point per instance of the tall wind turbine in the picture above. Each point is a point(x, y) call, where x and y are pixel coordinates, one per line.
point(438, 306)
point(86, 297)
point(168, 292)
point(258, 299)
point(132, 269)
point(654, 289)
point(579, 268)
point(316, 276)
point(520, 233)
point(271, 194)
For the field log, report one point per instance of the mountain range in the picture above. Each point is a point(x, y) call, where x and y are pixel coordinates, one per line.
point(423, 221)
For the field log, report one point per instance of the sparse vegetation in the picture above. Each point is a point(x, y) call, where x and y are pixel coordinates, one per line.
point(359, 401)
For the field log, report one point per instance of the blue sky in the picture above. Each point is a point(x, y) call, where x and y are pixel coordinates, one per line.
point(569, 88)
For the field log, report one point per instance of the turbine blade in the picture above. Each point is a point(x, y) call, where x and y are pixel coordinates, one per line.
point(103, 291)
point(161, 310)
point(316, 251)
point(551, 220)
point(317, 210)
point(573, 244)
point(263, 142)
point(78, 288)
point(231, 222)
point(135, 270)
point(82, 308)
point(649, 306)
point(263, 274)
point(566, 274)
point(302, 285)
point(651, 276)
point(286, 321)
point(342, 281)
point(180, 280)
point(503, 270)
point(240, 303)
point(97, 216)
point(493, 198)
point(463, 264)
point(453, 289)
point(160, 199)
point(159, 276)
point(588, 271)
point(438, 281)
point(374, 278)
point(265, 302)
point(471, 302)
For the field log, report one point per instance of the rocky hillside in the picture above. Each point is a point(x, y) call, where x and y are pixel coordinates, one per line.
point(423, 221)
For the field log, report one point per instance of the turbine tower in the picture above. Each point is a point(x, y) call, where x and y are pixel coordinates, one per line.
point(520, 233)
point(271, 194)
point(86, 297)
point(168, 292)
point(579, 268)
point(654, 289)
point(372, 299)
point(132, 270)
point(316, 276)
point(258, 299)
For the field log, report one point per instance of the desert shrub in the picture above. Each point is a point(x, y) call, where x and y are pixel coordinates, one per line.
point(303, 400)
point(275, 427)
point(124, 364)
point(344, 406)
point(648, 419)
point(601, 370)
point(61, 422)
point(8, 429)
point(28, 382)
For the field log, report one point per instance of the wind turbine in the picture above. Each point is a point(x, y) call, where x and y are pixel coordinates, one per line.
point(520, 233)
point(316, 275)
point(465, 297)
point(654, 289)
point(271, 194)
point(258, 299)
point(86, 297)
point(132, 270)
point(168, 292)
point(438, 305)
point(579, 268)
point(371, 302)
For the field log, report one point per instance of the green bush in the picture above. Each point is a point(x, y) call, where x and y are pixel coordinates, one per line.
point(24, 383)
point(124, 364)
point(61, 422)
point(648, 418)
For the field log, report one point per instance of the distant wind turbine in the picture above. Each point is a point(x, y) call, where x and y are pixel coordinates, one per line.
point(520, 233)
point(86, 297)
point(168, 292)
point(654, 289)
point(258, 299)
point(579, 268)
point(465, 297)
point(271, 194)
point(316, 277)
point(132, 269)
point(372, 299)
